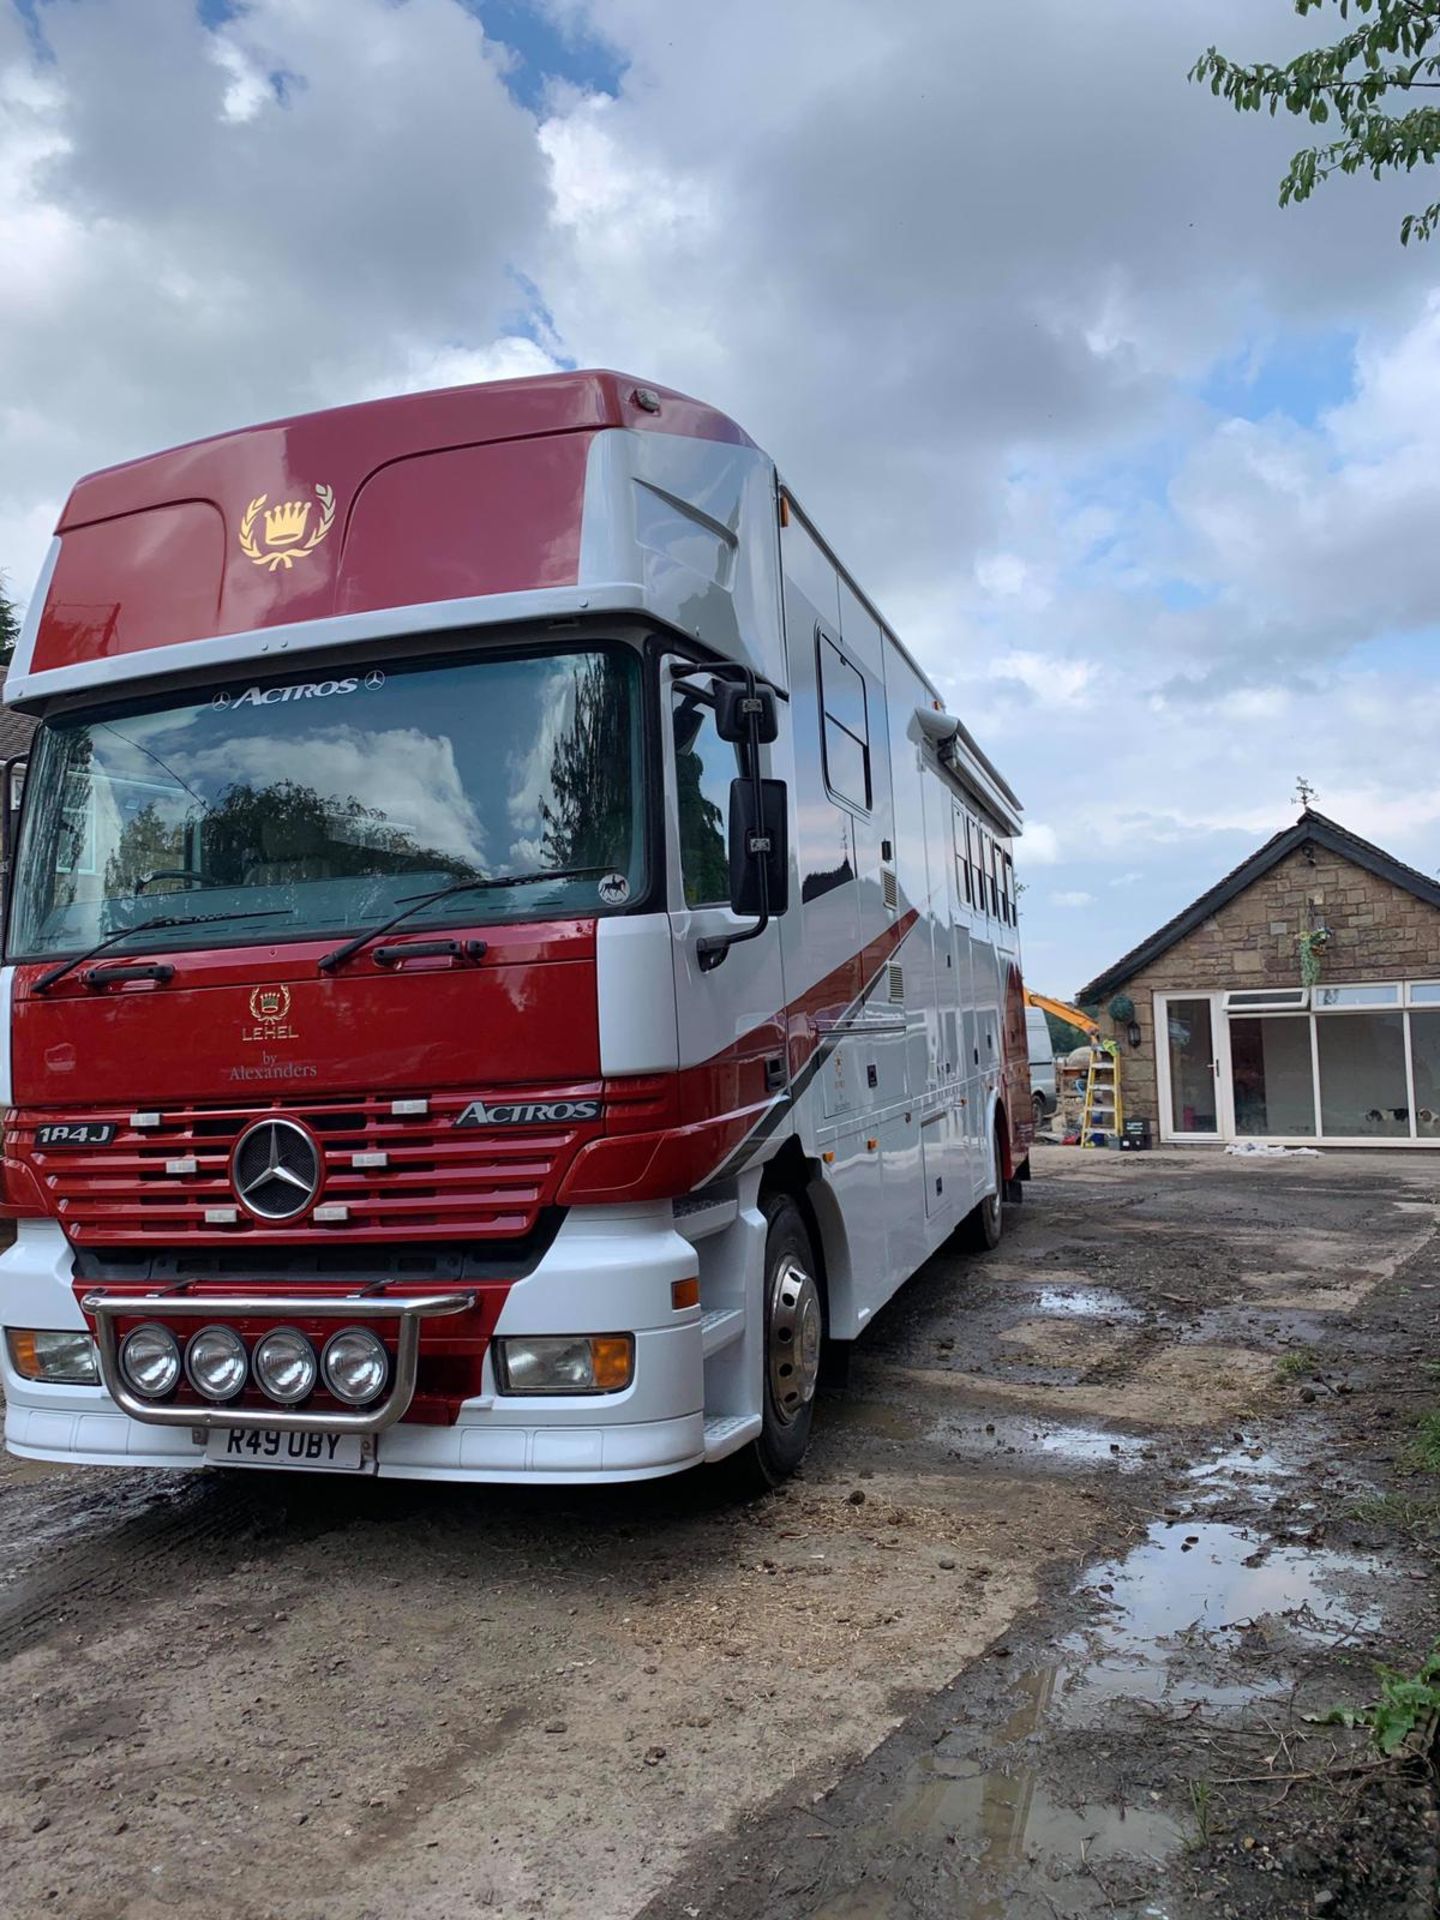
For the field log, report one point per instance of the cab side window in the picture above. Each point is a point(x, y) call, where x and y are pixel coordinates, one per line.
point(845, 724)
point(704, 767)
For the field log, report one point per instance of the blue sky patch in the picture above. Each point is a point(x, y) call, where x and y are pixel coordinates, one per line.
point(545, 50)
point(1300, 375)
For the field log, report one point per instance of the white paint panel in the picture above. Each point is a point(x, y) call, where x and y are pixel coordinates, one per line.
point(635, 981)
point(270, 644)
point(7, 997)
point(695, 521)
point(35, 1289)
point(860, 630)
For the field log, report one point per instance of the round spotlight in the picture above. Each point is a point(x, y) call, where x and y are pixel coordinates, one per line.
point(150, 1360)
point(355, 1366)
point(285, 1365)
point(216, 1363)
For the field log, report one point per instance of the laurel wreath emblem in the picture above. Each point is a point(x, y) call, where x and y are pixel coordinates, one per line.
point(284, 556)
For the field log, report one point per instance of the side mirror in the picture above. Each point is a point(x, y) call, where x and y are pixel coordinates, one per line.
point(756, 844)
point(736, 706)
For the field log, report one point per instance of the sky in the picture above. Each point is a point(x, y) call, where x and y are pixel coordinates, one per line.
point(1144, 470)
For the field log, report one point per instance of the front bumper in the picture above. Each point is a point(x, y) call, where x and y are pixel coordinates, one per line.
point(608, 1268)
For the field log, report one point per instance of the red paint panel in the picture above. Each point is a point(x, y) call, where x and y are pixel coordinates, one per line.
point(442, 521)
point(440, 1181)
point(1015, 1045)
point(145, 580)
point(475, 520)
point(517, 1020)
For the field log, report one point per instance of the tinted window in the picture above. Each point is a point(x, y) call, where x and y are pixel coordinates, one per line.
point(846, 726)
point(704, 767)
point(325, 803)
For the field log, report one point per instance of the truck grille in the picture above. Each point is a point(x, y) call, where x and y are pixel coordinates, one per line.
point(153, 1184)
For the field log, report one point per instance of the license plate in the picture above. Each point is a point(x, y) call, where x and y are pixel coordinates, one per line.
point(268, 1447)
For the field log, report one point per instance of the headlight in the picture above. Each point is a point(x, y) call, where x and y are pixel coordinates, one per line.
point(216, 1363)
point(150, 1360)
point(355, 1366)
point(67, 1359)
point(566, 1363)
point(286, 1367)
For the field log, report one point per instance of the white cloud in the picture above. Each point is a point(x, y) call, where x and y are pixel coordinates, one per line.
point(1042, 845)
point(1075, 897)
point(1052, 682)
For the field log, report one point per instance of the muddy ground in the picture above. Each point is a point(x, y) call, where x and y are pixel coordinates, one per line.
point(1101, 1524)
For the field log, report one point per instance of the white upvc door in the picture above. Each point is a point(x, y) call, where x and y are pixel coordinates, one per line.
point(1192, 1060)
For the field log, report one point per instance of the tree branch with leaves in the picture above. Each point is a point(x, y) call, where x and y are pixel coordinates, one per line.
point(9, 626)
point(1357, 84)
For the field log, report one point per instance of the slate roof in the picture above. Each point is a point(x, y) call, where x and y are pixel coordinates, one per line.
point(1311, 828)
point(15, 730)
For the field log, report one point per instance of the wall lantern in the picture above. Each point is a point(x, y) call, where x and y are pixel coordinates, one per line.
point(1122, 1011)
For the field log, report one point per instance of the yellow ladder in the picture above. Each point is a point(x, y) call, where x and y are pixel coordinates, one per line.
point(1103, 1113)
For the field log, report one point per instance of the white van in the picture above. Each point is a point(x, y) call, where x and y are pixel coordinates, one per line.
point(1042, 1064)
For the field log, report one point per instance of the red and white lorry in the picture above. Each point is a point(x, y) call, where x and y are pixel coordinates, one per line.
point(507, 955)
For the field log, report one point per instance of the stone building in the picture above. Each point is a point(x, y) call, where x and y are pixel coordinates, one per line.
point(1298, 1000)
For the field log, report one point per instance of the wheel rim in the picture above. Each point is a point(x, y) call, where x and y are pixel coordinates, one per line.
point(795, 1323)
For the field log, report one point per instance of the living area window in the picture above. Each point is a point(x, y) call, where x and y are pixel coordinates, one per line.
point(845, 727)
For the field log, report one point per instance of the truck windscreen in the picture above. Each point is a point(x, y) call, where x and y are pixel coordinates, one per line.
point(333, 799)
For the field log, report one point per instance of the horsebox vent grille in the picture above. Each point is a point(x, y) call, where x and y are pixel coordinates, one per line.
point(889, 891)
point(897, 984)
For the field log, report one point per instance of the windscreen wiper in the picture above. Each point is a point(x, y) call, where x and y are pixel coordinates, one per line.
point(415, 901)
point(47, 980)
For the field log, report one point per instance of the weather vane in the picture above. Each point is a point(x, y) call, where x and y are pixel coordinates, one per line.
point(1304, 792)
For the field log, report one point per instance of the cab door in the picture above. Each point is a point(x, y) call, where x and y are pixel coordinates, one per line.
point(734, 1075)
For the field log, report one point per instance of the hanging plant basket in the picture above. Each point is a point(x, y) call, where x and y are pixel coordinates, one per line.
point(1312, 946)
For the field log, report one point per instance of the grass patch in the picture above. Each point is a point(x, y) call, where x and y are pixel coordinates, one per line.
point(1423, 1453)
point(1416, 1519)
point(1202, 1806)
point(1294, 1366)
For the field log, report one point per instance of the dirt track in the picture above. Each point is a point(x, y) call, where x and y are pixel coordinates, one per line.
point(302, 1698)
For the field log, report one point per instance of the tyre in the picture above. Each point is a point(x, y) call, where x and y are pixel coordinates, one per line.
point(981, 1228)
point(794, 1336)
point(1039, 1104)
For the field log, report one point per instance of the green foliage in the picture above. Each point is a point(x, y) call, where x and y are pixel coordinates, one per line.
point(1381, 58)
point(1424, 1449)
point(1201, 1798)
point(1294, 1366)
point(1409, 1703)
point(9, 625)
point(1063, 1037)
point(1418, 1520)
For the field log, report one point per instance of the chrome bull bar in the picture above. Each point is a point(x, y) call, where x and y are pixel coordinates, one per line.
point(409, 1311)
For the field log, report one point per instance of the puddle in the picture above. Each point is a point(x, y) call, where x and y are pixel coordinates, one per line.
point(1068, 1444)
point(1192, 1597)
point(891, 1423)
point(1004, 1821)
point(1092, 1302)
point(1077, 1445)
point(1196, 1611)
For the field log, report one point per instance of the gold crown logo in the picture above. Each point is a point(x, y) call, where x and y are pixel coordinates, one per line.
point(286, 524)
point(285, 540)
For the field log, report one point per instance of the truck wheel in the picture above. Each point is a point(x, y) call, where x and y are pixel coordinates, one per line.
point(1039, 1111)
point(981, 1228)
point(794, 1334)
